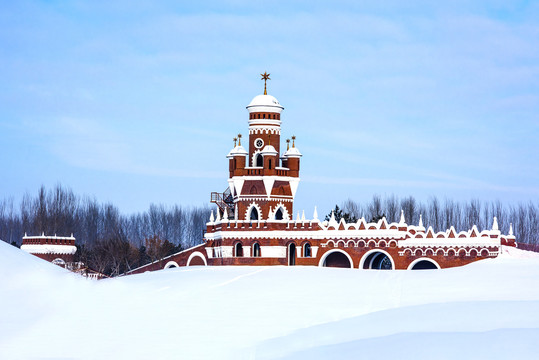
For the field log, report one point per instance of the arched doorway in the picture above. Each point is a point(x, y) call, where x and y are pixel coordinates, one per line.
point(377, 260)
point(337, 259)
point(292, 254)
point(424, 264)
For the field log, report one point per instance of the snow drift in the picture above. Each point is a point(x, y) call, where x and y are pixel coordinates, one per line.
point(489, 309)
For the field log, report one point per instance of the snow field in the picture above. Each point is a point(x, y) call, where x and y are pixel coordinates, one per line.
point(489, 309)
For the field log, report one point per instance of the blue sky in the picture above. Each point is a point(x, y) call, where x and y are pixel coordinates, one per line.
point(138, 102)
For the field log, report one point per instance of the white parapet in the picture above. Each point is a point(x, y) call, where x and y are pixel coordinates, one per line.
point(49, 249)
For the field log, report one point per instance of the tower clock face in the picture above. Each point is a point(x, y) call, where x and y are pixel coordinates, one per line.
point(259, 143)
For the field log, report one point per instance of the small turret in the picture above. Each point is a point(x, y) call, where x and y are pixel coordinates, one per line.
point(292, 156)
point(237, 158)
point(270, 158)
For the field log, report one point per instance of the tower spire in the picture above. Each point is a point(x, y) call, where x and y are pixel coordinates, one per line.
point(265, 77)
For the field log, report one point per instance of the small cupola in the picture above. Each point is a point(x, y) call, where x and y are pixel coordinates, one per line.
point(292, 151)
point(238, 150)
point(269, 150)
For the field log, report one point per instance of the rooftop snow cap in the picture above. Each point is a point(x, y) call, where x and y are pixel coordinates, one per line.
point(292, 152)
point(237, 151)
point(269, 150)
point(265, 103)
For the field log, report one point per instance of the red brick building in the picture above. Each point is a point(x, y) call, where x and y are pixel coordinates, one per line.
point(254, 224)
point(59, 250)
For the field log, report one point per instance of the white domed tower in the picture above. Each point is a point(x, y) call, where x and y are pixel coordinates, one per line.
point(262, 184)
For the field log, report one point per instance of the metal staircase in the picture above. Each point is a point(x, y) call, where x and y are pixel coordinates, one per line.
point(224, 200)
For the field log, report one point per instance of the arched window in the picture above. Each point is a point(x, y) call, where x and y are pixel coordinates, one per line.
point(307, 250)
point(256, 250)
point(238, 250)
point(235, 164)
point(292, 254)
point(254, 214)
point(263, 116)
point(259, 160)
point(279, 214)
point(259, 116)
point(270, 164)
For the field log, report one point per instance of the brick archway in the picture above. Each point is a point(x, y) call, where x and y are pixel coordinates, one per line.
point(376, 259)
point(336, 260)
point(196, 258)
point(424, 263)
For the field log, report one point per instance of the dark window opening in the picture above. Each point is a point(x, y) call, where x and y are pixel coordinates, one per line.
point(254, 214)
point(270, 164)
point(259, 160)
point(279, 214)
point(307, 250)
point(256, 250)
point(238, 249)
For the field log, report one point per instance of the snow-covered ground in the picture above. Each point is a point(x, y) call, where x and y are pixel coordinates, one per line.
point(487, 310)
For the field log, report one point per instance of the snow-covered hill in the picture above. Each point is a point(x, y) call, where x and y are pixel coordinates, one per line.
point(489, 309)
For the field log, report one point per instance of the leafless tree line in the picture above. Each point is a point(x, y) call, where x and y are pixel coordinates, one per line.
point(442, 214)
point(112, 243)
point(108, 241)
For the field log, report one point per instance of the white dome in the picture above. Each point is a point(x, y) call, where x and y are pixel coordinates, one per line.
point(292, 152)
point(269, 150)
point(264, 103)
point(238, 150)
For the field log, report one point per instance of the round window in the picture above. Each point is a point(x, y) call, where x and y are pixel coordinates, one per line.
point(259, 143)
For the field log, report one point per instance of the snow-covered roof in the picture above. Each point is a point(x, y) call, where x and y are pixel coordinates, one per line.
point(269, 150)
point(238, 150)
point(292, 152)
point(264, 103)
point(49, 249)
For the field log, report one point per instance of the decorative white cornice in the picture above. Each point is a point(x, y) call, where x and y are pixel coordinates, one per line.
point(261, 129)
point(49, 249)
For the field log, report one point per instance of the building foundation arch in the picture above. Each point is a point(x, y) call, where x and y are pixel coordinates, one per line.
point(372, 258)
point(322, 262)
point(194, 255)
point(171, 264)
point(421, 260)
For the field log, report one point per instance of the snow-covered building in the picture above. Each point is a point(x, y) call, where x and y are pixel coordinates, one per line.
point(253, 223)
point(59, 250)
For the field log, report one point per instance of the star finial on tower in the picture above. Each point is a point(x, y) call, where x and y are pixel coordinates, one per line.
point(265, 77)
